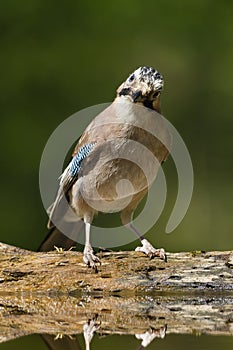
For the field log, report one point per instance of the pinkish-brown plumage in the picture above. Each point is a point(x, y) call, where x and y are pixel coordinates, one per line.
point(123, 132)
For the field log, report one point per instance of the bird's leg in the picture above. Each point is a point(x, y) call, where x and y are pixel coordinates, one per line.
point(89, 329)
point(147, 247)
point(150, 335)
point(88, 254)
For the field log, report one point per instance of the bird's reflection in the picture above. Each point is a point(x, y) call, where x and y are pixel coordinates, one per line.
point(147, 337)
point(61, 343)
point(68, 342)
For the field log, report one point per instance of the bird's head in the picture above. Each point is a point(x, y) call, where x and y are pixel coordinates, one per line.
point(143, 86)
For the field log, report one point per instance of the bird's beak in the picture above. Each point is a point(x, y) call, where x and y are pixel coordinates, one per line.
point(136, 95)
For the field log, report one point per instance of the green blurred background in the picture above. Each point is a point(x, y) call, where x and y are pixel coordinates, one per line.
point(58, 57)
point(171, 341)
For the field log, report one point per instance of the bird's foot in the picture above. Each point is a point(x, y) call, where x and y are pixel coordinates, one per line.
point(150, 335)
point(149, 250)
point(90, 258)
point(89, 328)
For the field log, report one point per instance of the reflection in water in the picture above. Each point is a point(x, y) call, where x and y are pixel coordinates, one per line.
point(89, 329)
point(150, 335)
point(145, 317)
point(64, 342)
point(61, 342)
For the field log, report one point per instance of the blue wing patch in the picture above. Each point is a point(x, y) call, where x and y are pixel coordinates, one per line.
point(76, 162)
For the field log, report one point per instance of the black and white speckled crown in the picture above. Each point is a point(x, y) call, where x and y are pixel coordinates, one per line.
point(149, 76)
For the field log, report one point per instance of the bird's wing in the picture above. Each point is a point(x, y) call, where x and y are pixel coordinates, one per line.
point(70, 175)
point(96, 132)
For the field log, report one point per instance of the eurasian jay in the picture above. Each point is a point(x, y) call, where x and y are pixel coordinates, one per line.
point(104, 158)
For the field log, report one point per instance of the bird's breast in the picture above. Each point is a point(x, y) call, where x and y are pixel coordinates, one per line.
point(131, 143)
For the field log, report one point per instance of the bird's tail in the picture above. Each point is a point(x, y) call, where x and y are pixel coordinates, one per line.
point(56, 238)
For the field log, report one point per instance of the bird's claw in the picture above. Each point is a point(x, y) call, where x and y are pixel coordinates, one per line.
point(150, 251)
point(151, 334)
point(90, 259)
point(89, 328)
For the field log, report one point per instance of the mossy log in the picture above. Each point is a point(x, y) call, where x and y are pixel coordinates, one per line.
point(125, 273)
point(56, 293)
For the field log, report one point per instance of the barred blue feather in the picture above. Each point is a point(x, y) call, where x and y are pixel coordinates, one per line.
point(76, 162)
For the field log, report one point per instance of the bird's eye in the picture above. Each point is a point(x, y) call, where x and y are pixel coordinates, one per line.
point(156, 94)
point(131, 78)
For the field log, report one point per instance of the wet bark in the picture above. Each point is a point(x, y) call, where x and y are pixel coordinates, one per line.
point(55, 293)
point(125, 273)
